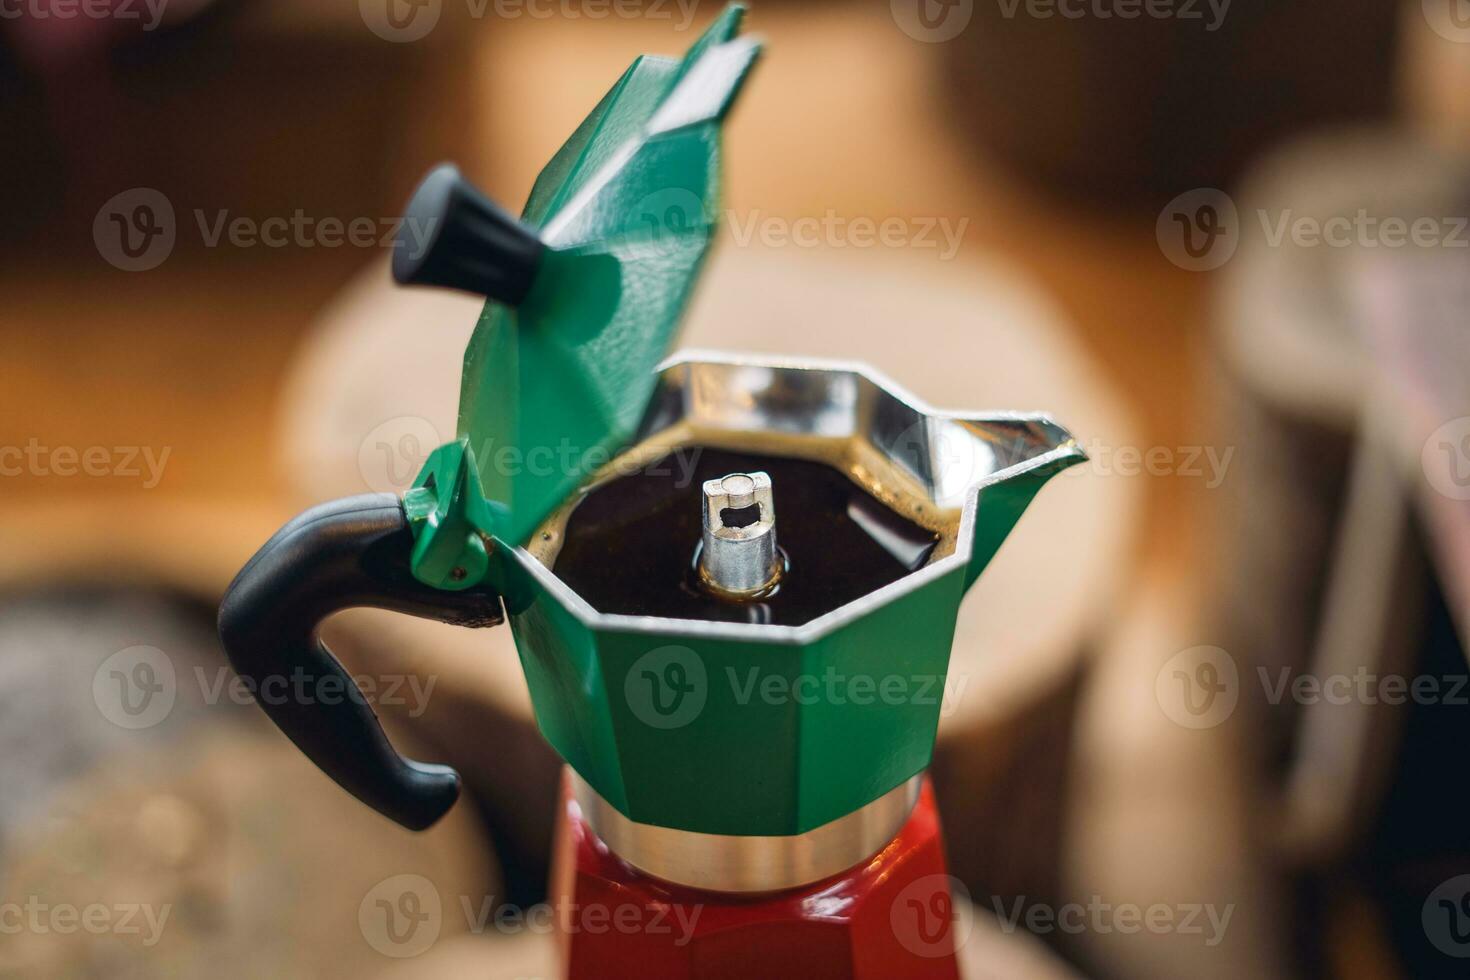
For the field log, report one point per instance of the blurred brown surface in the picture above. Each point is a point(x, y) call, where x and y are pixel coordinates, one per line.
point(1132, 111)
point(1164, 813)
point(258, 864)
point(160, 363)
point(227, 851)
point(331, 120)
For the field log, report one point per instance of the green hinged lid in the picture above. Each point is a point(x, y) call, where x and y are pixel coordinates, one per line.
point(556, 385)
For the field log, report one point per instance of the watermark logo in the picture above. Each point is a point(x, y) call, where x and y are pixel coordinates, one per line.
point(947, 456)
point(675, 213)
point(1362, 230)
point(35, 458)
point(400, 21)
point(940, 234)
point(677, 920)
point(1446, 459)
point(942, 691)
point(1450, 19)
point(958, 458)
point(1099, 917)
point(671, 213)
point(932, 21)
point(135, 230)
point(1198, 687)
point(136, 687)
point(667, 688)
point(149, 12)
point(401, 916)
point(932, 916)
point(98, 919)
point(1199, 230)
point(1446, 917)
point(1363, 686)
point(410, 692)
point(405, 21)
point(1201, 687)
point(1208, 464)
point(393, 453)
point(1211, 13)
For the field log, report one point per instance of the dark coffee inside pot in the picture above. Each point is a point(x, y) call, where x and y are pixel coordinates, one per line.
point(630, 547)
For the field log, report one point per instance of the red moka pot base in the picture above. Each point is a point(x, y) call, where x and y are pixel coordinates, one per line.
point(889, 918)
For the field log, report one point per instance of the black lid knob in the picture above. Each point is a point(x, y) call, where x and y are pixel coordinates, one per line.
point(453, 235)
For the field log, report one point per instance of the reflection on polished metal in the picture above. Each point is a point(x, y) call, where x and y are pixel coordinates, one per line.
point(728, 863)
point(930, 466)
point(738, 554)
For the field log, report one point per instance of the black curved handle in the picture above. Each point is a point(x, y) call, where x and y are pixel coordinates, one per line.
point(347, 553)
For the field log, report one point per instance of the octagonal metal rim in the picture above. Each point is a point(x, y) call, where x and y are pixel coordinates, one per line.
point(830, 622)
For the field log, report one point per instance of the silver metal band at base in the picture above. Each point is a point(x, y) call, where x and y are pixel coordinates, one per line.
point(729, 863)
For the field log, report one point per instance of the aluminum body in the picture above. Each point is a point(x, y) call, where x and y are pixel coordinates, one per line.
point(730, 863)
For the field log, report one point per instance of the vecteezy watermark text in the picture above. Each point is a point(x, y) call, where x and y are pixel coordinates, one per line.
point(137, 688)
point(595, 918)
point(405, 21)
point(1363, 686)
point(118, 462)
point(668, 687)
point(1201, 687)
point(402, 916)
point(838, 688)
point(1201, 229)
point(1099, 917)
point(1210, 12)
point(1206, 463)
point(394, 452)
point(942, 235)
point(99, 919)
point(305, 231)
point(136, 230)
point(395, 690)
point(149, 12)
point(674, 212)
